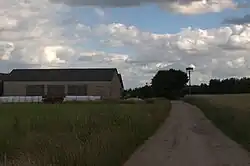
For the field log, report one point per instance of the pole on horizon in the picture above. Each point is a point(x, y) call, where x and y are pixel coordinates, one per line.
point(189, 70)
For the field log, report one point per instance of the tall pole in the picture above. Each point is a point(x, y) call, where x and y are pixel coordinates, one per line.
point(189, 76)
point(189, 69)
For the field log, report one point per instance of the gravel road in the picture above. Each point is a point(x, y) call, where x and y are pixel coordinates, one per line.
point(187, 138)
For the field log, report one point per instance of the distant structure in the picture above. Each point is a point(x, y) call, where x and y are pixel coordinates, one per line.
point(189, 70)
point(104, 82)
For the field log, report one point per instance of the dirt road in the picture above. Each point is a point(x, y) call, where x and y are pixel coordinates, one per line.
point(187, 138)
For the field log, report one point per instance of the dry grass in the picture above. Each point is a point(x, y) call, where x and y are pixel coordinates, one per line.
point(230, 113)
point(88, 134)
point(238, 101)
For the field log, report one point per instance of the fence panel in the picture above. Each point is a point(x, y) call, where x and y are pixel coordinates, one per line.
point(38, 99)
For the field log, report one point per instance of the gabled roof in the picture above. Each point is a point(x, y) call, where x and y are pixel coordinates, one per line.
point(70, 74)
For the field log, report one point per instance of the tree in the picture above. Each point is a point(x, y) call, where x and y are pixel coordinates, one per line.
point(224, 86)
point(141, 92)
point(169, 83)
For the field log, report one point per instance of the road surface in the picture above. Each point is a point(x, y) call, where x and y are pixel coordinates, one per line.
point(187, 138)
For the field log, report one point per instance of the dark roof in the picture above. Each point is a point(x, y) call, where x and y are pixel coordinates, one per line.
point(71, 74)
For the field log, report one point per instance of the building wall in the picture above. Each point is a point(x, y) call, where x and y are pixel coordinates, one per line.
point(116, 87)
point(1, 87)
point(104, 89)
point(35, 90)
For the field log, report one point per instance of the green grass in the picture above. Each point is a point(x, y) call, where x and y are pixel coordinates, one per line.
point(232, 118)
point(77, 134)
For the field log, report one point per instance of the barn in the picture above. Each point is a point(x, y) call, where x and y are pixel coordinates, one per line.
point(104, 82)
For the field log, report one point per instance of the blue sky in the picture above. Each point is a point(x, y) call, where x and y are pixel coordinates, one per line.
point(136, 39)
point(151, 18)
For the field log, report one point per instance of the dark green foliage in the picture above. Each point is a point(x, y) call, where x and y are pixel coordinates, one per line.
point(166, 83)
point(225, 86)
point(169, 83)
point(142, 92)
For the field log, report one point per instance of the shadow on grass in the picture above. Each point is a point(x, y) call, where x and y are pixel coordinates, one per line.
point(235, 123)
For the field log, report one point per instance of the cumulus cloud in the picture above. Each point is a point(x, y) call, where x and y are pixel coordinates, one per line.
point(38, 34)
point(57, 54)
point(179, 6)
point(199, 7)
point(219, 52)
point(6, 49)
point(110, 3)
point(100, 56)
point(238, 21)
point(27, 34)
point(191, 41)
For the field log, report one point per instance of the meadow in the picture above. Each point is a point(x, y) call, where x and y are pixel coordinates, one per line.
point(76, 134)
point(230, 113)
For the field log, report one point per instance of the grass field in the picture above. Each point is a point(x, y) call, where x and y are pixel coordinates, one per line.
point(230, 113)
point(76, 134)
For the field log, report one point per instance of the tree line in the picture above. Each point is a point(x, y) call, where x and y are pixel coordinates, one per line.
point(172, 84)
point(222, 86)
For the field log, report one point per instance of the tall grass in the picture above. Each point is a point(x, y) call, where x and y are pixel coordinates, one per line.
point(233, 121)
point(75, 134)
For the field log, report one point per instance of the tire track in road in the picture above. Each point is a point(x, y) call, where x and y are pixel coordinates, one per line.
point(188, 138)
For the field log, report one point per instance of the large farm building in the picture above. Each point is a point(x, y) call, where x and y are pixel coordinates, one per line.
point(104, 82)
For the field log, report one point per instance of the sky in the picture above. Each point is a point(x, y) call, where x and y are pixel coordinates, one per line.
point(138, 37)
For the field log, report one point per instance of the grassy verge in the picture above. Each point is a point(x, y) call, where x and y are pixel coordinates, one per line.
point(76, 134)
point(234, 122)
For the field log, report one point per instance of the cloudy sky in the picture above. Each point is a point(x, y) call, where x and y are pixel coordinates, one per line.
point(138, 37)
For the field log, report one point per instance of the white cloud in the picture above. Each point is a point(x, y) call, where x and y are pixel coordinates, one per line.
point(26, 30)
point(178, 6)
point(103, 57)
point(221, 52)
point(57, 54)
point(6, 49)
point(201, 6)
point(99, 12)
point(38, 34)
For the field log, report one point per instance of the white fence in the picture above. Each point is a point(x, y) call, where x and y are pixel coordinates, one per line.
point(38, 99)
point(21, 99)
point(81, 98)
